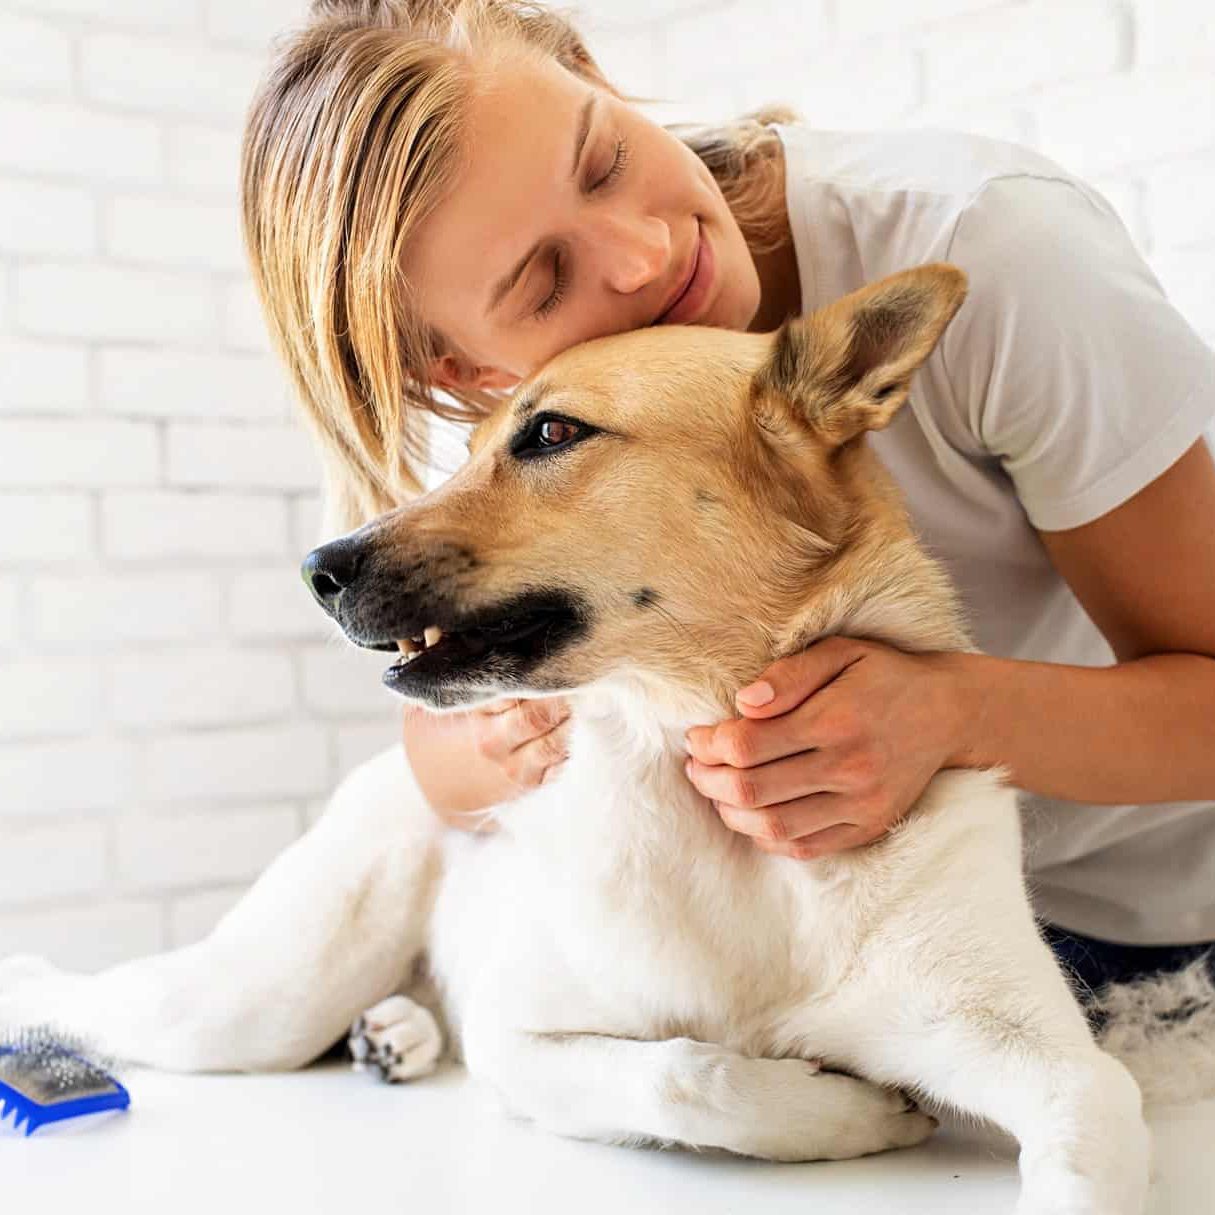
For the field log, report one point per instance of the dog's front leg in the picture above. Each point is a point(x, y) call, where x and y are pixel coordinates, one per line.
point(620, 1090)
point(332, 926)
point(999, 1035)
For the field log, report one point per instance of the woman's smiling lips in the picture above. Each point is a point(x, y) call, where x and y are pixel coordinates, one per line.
point(686, 305)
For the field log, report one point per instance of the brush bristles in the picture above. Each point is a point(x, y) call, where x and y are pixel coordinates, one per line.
point(63, 1063)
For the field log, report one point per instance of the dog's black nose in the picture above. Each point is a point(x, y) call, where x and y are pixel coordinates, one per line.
point(330, 569)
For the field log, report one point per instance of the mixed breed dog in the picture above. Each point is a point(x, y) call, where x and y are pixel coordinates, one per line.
point(649, 522)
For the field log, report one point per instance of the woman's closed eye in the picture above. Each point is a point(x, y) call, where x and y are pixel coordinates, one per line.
point(560, 275)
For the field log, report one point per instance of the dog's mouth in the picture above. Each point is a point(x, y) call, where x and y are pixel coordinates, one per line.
point(506, 641)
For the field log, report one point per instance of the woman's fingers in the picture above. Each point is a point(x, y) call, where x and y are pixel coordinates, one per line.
point(532, 718)
point(780, 780)
point(537, 759)
point(793, 820)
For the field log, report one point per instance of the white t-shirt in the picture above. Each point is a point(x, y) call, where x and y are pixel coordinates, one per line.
point(1064, 385)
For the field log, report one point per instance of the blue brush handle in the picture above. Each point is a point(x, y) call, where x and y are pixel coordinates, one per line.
point(35, 1115)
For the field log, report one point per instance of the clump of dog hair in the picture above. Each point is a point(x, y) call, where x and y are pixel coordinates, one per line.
point(1162, 1028)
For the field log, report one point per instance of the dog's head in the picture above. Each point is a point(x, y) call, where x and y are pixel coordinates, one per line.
point(667, 501)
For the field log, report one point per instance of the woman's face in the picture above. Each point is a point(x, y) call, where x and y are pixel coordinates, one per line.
point(557, 231)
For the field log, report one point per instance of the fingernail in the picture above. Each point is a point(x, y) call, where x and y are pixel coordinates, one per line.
point(687, 768)
point(756, 694)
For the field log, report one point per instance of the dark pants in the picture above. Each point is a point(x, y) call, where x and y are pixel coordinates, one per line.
point(1096, 963)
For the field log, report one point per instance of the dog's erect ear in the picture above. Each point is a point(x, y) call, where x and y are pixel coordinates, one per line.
point(846, 368)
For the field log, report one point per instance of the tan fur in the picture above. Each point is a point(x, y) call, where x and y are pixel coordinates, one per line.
point(796, 525)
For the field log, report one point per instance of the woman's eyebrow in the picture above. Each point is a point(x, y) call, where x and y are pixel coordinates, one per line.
point(503, 286)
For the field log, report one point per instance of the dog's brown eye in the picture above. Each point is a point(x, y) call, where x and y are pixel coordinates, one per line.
point(554, 431)
point(547, 434)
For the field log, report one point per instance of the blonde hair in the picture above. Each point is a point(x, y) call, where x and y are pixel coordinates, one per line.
point(354, 135)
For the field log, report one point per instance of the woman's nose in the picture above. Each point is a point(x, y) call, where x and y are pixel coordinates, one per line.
point(635, 251)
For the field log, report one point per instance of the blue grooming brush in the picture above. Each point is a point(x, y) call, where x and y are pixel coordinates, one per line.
point(47, 1077)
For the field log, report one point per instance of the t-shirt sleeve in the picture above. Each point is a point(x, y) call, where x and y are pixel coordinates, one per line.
point(1067, 361)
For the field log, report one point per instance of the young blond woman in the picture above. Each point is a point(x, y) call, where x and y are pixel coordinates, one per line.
point(440, 196)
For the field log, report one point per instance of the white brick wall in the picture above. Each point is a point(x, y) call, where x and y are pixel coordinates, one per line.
point(173, 707)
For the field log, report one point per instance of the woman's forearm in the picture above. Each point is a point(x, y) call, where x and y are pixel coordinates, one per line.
point(454, 777)
point(1137, 732)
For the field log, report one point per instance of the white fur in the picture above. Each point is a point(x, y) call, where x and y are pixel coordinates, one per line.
point(620, 966)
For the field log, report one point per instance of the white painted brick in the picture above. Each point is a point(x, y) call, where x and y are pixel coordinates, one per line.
point(115, 304)
point(346, 682)
point(38, 528)
point(138, 14)
point(46, 219)
point(87, 938)
point(1038, 44)
point(1126, 197)
point(1174, 31)
point(46, 696)
point(1181, 201)
point(193, 916)
point(9, 613)
point(275, 603)
point(84, 612)
point(64, 777)
point(306, 533)
point(169, 232)
point(209, 846)
point(161, 523)
point(865, 18)
point(632, 59)
point(590, 13)
point(37, 57)
point(255, 24)
point(282, 761)
point(76, 141)
point(77, 453)
point(205, 158)
point(178, 384)
point(1001, 119)
point(315, 809)
point(209, 686)
point(356, 744)
point(1186, 275)
point(42, 376)
point(7, 290)
point(825, 90)
point(737, 37)
point(52, 863)
point(1128, 118)
point(168, 77)
point(261, 456)
point(244, 324)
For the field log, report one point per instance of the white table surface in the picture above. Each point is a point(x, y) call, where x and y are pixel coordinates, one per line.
point(331, 1141)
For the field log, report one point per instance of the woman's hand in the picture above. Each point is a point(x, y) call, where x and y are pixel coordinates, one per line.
point(468, 761)
point(525, 739)
point(852, 734)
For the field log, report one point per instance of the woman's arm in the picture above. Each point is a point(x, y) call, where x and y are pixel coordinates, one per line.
point(466, 762)
point(879, 722)
point(1142, 730)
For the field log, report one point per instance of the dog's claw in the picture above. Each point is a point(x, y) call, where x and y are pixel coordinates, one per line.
point(398, 1039)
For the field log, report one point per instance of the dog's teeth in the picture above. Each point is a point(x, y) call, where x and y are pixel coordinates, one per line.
point(432, 635)
point(408, 646)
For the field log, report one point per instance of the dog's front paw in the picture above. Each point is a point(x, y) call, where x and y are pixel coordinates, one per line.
point(23, 968)
point(28, 986)
point(396, 1038)
point(856, 1117)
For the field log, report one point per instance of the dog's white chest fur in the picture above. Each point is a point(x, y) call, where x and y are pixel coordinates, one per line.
point(614, 900)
